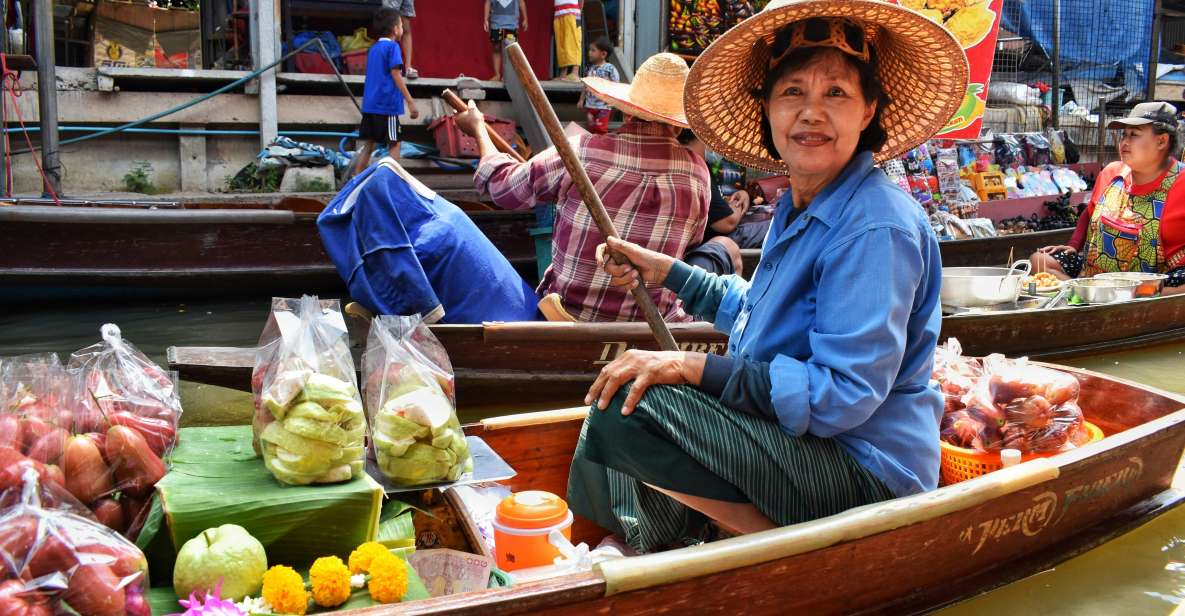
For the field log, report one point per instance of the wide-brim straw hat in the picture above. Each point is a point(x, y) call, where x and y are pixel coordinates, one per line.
point(655, 94)
point(921, 66)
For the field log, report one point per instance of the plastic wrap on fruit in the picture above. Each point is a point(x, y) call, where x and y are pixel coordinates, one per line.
point(1019, 379)
point(971, 429)
point(955, 374)
point(124, 387)
point(62, 559)
point(415, 434)
point(309, 421)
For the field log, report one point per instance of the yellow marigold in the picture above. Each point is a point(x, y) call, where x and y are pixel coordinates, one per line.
point(388, 578)
point(284, 590)
point(330, 580)
point(362, 555)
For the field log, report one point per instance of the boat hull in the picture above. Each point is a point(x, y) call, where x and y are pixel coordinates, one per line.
point(903, 556)
point(556, 362)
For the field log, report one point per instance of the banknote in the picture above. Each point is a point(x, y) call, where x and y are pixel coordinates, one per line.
point(449, 572)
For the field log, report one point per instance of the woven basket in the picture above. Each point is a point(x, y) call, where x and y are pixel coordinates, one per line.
point(961, 464)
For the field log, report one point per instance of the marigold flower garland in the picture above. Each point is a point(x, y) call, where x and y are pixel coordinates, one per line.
point(331, 581)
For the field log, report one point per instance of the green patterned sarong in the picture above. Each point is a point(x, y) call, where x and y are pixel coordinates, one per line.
point(681, 439)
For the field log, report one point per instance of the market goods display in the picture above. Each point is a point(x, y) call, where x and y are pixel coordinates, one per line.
point(309, 422)
point(415, 433)
point(102, 425)
point(1001, 403)
point(969, 20)
point(56, 562)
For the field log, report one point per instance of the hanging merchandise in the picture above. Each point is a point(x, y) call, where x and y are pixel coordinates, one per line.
point(694, 24)
point(948, 175)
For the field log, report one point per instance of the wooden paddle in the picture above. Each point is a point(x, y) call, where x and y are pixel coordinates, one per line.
point(580, 178)
point(459, 106)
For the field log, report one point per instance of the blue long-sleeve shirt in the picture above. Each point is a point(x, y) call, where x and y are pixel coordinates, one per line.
point(841, 320)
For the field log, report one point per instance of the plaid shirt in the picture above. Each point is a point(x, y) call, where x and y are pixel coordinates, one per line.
point(655, 190)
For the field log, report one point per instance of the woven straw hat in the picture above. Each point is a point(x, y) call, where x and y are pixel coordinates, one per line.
point(921, 66)
point(655, 94)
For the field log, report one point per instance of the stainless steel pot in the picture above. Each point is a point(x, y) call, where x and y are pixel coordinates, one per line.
point(982, 286)
point(1151, 285)
point(1103, 290)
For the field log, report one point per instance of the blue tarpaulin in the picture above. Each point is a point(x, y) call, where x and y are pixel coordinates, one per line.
point(402, 250)
point(1099, 38)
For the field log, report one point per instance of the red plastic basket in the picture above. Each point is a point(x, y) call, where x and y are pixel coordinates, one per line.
point(355, 62)
point(452, 143)
point(312, 62)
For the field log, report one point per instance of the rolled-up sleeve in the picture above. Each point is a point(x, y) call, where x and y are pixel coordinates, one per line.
point(866, 289)
point(514, 185)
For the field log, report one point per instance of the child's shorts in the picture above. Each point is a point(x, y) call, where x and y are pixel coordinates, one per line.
point(598, 121)
point(500, 35)
point(379, 128)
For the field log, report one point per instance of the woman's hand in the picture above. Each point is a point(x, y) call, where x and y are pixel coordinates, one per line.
point(739, 202)
point(1057, 250)
point(471, 121)
point(644, 264)
point(644, 368)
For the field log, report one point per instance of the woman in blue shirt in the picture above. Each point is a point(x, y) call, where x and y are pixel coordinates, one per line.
point(822, 403)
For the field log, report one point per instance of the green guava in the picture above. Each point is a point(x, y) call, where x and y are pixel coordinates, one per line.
point(226, 554)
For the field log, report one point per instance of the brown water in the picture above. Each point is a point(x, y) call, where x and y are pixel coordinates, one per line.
point(1142, 572)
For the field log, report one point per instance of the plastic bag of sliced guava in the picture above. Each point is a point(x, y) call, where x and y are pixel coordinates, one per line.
point(309, 423)
point(414, 432)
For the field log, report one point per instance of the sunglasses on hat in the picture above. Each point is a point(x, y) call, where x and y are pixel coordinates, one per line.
point(836, 32)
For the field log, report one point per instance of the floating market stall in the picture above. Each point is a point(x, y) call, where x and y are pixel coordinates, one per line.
point(223, 515)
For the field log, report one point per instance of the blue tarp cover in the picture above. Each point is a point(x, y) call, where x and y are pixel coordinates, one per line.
point(1098, 37)
point(402, 250)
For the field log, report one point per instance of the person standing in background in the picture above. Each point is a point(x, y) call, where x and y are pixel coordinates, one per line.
point(384, 94)
point(502, 23)
point(597, 110)
point(407, 10)
point(567, 38)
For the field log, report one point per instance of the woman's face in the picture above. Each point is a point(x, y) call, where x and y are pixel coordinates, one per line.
point(1142, 149)
point(816, 115)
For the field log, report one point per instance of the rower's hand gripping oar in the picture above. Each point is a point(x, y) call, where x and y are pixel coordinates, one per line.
point(459, 106)
point(592, 200)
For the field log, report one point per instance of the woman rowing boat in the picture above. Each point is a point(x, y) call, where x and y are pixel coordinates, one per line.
point(822, 403)
point(1135, 220)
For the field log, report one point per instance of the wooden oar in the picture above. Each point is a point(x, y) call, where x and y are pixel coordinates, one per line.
point(580, 178)
point(459, 106)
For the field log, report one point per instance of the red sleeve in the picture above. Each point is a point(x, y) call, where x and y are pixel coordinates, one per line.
point(1172, 226)
point(1104, 178)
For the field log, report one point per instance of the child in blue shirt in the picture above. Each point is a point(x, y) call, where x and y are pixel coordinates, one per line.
point(385, 93)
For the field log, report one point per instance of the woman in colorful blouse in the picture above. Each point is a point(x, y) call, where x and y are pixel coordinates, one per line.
point(1135, 221)
point(822, 403)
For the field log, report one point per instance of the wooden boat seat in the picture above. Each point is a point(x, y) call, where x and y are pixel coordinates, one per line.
point(553, 309)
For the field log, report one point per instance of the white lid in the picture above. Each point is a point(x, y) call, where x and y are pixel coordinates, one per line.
point(1010, 457)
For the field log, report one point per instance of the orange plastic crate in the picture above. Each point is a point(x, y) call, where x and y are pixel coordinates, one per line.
point(961, 464)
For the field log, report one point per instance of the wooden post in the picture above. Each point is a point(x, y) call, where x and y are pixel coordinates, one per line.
point(580, 178)
point(265, 47)
point(47, 98)
point(459, 106)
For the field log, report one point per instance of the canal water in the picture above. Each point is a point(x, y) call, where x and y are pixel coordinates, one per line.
point(1142, 572)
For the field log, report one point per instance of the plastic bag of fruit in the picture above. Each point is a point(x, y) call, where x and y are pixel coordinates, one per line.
point(57, 562)
point(34, 414)
point(410, 403)
point(309, 422)
point(1017, 405)
point(955, 374)
point(125, 412)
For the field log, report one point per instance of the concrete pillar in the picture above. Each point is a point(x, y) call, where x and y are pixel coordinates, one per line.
point(266, 45)
point(192, 150)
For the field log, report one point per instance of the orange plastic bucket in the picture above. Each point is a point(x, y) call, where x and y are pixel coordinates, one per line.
point(521, 526)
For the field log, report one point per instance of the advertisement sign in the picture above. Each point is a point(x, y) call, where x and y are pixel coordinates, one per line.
point(975, 24)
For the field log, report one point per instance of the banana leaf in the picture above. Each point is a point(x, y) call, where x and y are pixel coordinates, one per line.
point(216, 478)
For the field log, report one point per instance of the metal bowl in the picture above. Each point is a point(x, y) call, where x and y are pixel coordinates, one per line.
point(969, 287)
point(1151, 285)
point(1103, 290)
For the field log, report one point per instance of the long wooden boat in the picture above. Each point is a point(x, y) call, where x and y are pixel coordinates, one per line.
point(496, 363)
point(247, 244)
point(903, 556)
point(240, 244)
